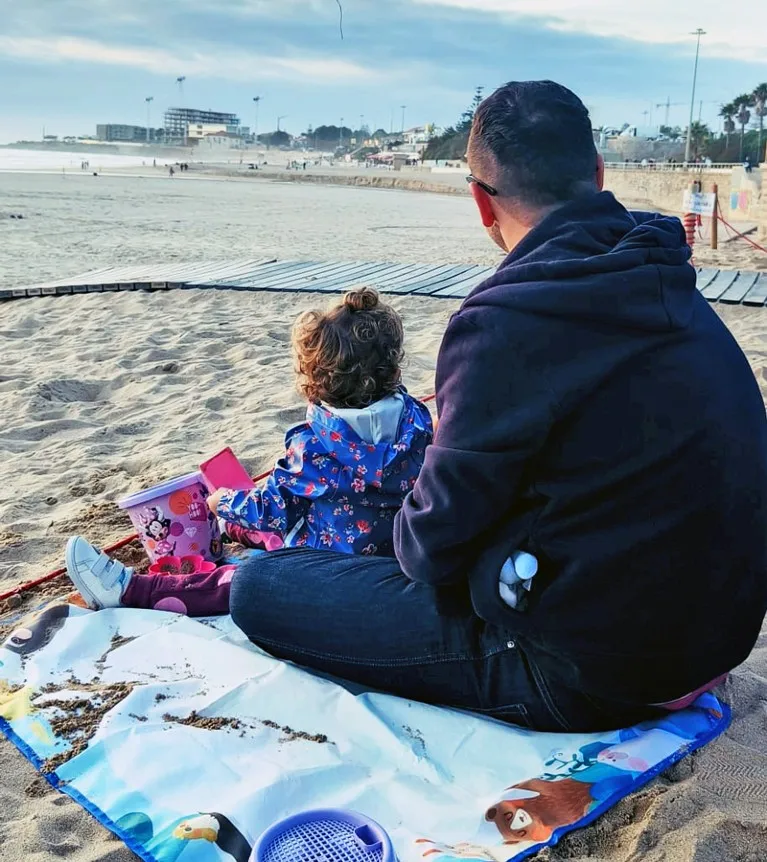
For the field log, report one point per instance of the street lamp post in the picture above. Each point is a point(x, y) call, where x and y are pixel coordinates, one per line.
point(148, 100)
point(403, 118)
point(256, 99)
point(180, 81)
point(279, 120)
point(341, 134)
point(688, 146)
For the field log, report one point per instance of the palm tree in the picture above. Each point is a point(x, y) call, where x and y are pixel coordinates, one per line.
point(728, 111)
point(699, 137)
point(760, 102)
point(743, 103)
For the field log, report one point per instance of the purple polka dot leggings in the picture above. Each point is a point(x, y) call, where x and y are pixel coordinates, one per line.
point(196, 595)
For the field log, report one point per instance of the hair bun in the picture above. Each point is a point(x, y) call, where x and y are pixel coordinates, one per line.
point(361, 299)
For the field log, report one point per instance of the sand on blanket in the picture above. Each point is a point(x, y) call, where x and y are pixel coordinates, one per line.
point(88, 419)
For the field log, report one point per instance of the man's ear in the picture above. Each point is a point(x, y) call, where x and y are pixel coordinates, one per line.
point(600, 172)
point(485, 207)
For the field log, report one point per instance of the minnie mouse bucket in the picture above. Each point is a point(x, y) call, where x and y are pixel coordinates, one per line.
point(173, 519)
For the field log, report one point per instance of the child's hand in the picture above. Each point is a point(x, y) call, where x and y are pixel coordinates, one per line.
point(215, 499)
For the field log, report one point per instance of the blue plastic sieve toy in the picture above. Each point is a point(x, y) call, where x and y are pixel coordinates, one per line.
point(325, 835)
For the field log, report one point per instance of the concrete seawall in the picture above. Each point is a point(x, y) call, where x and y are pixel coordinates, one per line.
point(741, 197)
point(664, 190)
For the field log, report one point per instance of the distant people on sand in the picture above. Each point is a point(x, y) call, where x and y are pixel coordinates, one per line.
point(171, 171)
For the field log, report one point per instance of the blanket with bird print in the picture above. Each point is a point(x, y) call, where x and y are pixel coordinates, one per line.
point(187, 742)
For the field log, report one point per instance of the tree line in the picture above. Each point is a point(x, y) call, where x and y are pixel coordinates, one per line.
point(326, 137)
point(739, 110)
point(729, 147)
point(452, 143)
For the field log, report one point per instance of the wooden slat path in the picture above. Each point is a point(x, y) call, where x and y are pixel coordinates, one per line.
point(461, 286)
point(720, 284)
point(735, 294)
point(453, 281)
point(705, 277)
point(758, 293)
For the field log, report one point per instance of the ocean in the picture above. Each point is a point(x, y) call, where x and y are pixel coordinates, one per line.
point(56, 160)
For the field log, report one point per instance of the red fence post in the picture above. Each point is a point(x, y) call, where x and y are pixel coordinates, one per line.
point(690, 222)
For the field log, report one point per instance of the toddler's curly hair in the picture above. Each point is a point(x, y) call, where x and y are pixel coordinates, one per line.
point(349, 355)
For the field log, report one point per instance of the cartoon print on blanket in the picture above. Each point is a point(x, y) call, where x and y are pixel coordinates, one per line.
point(577, 782)
point(169, 844)
point(38, 632)
point(229, 740)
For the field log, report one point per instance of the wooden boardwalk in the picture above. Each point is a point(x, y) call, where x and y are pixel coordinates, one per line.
point(448, 281)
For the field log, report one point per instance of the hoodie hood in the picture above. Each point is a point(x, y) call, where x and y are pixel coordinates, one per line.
point(398, 424)
point(593, 259)
point(377, 423)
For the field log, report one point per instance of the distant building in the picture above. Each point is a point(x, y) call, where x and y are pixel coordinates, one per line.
point(183, 124)
point(200, 132)
point(413, 140)
point(417, 135)
point(120, 132)
point(221, 140)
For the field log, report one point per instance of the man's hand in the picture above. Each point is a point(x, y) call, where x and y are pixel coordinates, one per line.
point(215, 499)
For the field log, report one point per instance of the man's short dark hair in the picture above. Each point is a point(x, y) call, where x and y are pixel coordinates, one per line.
point(533, 141)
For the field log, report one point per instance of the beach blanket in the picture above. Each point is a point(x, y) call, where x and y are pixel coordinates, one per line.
point(187, 742)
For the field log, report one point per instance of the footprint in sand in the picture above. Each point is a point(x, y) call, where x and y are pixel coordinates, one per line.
point(62, 429)
point(291, 415)
point(216, 403)
point(69, 391)
point(131, 429)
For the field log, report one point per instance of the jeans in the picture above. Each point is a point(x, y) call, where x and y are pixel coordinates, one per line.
point(361, 620)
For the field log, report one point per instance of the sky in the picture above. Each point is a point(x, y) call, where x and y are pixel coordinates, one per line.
point(66, 65)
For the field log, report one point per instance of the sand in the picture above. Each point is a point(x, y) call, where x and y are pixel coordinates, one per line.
point(106, 393)
point(73, 223)
point(77, 223)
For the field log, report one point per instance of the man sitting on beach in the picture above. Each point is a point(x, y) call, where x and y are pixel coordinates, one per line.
point(594, 412)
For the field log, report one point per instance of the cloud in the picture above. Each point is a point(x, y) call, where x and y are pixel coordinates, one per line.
point(731, 36)
point(203, 61)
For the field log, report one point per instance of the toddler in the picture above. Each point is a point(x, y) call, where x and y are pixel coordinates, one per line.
point(345, 473)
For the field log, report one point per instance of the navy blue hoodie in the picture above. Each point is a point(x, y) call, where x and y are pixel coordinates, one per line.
point(595, 412)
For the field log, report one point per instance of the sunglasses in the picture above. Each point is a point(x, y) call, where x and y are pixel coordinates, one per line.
point(483, 185)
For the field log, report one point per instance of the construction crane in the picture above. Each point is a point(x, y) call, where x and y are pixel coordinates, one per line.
point(668, 104)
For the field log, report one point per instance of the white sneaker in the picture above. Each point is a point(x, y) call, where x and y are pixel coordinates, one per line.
point(100, 579)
